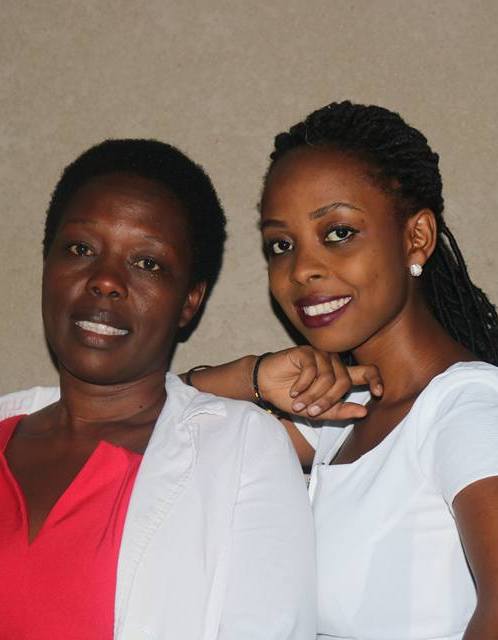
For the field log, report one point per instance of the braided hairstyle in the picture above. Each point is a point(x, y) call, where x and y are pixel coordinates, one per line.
point(404, 165)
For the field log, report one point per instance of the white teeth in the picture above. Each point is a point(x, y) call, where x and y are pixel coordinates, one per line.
point(101, 329)
point(326, 307)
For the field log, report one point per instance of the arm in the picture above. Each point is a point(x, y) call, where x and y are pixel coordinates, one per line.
point(232, 379)
point(271, 585)
point(476, 512)
point(459, 454)
point(301, 380)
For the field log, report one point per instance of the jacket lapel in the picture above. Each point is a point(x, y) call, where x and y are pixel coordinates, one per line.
point(164, 473)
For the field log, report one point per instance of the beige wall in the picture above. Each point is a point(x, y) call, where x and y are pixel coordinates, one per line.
point(219, 78)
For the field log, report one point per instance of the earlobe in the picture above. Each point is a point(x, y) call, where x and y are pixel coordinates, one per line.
point(192, 303)
point(421, 237)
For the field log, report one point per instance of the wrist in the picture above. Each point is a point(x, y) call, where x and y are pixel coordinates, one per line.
point(258, 397)
point(256, 390)
point(247, 364)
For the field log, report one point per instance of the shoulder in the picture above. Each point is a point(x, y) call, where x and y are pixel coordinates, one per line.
point(456, 427)
point(238, 439)
point(236, 417)
point(27, 401)
point(459, 404)
point(464, 373)
point(461, 384)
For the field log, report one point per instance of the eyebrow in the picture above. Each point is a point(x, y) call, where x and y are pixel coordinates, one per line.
point(313, 215)
point(86, 221)
point(158, 240)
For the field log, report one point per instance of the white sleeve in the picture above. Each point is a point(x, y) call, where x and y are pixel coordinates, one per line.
point(462, 442)
point(27, 401)
point(271, 592)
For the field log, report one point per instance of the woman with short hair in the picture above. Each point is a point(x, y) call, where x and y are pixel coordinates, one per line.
point(133, 506)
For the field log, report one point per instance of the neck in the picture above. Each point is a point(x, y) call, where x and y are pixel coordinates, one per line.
point(85, 406)
point(410, 351)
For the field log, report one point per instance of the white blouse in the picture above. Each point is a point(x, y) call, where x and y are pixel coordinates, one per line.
point(218, 539)
point(390, 562)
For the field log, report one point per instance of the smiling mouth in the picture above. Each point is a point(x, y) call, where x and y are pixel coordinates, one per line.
point(100, 329)
point(325, 307)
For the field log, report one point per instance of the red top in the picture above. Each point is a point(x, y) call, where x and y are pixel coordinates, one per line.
point(63, 584)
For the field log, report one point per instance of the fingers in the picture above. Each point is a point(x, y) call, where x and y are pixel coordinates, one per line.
point(313, 383)
point(331, 383)
point(305, 360)
point(367, 375)
point(344, 411)
point(322, 395)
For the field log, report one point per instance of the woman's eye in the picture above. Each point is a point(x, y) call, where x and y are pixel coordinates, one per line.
point(147, 264)
point(277, 247)
point(79, 249)
point(339, 234)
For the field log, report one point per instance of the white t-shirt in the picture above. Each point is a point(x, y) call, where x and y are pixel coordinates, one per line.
point(390, 562)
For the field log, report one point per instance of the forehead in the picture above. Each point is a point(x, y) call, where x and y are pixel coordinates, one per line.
point(126, 197)
point(308, 178)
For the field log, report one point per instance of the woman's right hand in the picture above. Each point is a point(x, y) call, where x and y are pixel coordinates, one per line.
point(311, 383)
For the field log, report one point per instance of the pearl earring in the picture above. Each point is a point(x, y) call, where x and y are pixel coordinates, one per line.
point(416, 269)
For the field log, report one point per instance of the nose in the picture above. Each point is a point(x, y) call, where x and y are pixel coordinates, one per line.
point(309, 264)
point(107, 280)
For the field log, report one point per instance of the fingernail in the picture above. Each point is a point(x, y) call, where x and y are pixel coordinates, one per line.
point(378, 389)
point(298, 406)
point(314, 410)
point(293, 394)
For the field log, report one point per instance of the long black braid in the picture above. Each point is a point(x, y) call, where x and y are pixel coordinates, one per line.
point(404, 165)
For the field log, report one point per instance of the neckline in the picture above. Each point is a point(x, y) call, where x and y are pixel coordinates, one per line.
point(6, 435)
point(342, 438)
point(85, 471)
point(63, 497)
point(332, 453)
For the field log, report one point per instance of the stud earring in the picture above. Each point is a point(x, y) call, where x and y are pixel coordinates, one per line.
point(416, 269)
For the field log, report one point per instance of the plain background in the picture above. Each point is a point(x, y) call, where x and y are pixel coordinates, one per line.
point(219, 78)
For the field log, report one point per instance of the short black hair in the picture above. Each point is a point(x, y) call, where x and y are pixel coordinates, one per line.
point(406, 167)
point(165, 164)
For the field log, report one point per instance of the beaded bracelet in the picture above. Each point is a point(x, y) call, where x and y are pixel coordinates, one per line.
point(199, 367)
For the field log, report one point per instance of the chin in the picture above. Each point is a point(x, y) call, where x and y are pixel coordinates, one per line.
point(101, 374)
point(109, 372)
point(329, 340)
point(99, 378)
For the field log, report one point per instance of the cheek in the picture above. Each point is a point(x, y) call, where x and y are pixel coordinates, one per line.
point(383, 283)
point(157, 308)
point(370, 272)
point(384, 261)
point(58, 291)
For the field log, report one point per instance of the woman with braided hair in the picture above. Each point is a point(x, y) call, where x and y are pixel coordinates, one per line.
point(405, 496)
